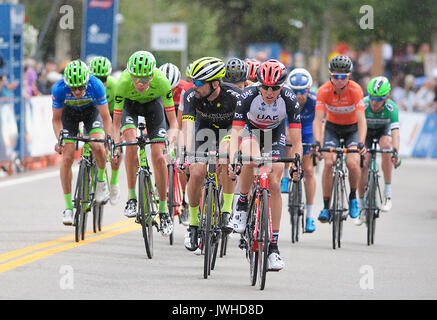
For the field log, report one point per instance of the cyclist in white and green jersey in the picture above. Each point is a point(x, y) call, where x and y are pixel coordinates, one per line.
point(144, 90)
point(101, 68)
point(383, 124)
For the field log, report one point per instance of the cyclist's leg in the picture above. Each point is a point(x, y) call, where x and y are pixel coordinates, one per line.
point(129, 122)
point(353, 166)
point(70, 122)
point(330, 140)
point(363, 179)
point(385, 142)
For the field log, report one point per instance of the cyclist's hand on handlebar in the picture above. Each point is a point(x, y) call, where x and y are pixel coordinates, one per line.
point(362, 148)
point(59, 149)
point(396, 159)
point(231, 173)
point(183, 167)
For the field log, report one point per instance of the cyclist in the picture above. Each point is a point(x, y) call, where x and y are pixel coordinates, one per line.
point(80, 97)
point(342, 101)
point(209, 109)
point(383, 124)
point(300, 81)
point(101, 68)
point(143, 90)
point(236, 72)
point(261, 116)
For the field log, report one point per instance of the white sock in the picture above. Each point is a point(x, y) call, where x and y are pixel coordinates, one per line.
point(360, 202)
point(310, 209)
point(387, 190)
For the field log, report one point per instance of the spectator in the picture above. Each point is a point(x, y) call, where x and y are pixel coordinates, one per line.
point(425, 97)
point(408, 101)
point(7, 88)
point(44, 84)
point(397, 92)
point(30, 77)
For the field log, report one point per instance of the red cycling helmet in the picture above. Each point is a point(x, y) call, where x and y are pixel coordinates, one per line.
point(271, 73)
point(252, 65)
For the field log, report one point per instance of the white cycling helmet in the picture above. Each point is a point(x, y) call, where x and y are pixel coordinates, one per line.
point(299, 79)
point(172, 73)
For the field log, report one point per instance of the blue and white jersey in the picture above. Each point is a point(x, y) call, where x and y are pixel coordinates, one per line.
point(307, 114)
point(95, 95)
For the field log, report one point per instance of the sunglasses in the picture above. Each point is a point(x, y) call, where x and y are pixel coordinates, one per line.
point(274, 88)
point(142, 80)
point(377, 99)
point(81, 88)
point(301, 92)
point(339, 76)
point(198, 83)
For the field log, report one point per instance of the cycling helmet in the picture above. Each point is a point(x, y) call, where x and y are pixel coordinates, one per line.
point(236, 70)
point(300, 79)
point(252, 65)
point(271, 73)
point(141, 64)
point(208, 69)
point(172, 73)
point(100, 67)
point(340, 63)
point(379, 87)
point(188, 71)
point(76, 74)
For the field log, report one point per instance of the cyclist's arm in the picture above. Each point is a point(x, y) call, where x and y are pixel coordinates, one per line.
point(57, 121)
point(188, 118)
point(106, 117)
point(362, 126)
point(295, 134)
point(118, 111)
point(396, 139)
point(318, 125)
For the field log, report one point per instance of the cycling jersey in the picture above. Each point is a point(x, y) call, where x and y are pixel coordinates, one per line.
point(111, 83)
point(179, 89)
point(159, 87)
point(252, 109)
point(389, 115)
point(307, 114)
point(213, 114)
point(340, 109)
point(187, 86)
point(95, 94)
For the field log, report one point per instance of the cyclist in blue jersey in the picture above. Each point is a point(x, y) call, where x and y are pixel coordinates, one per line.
point(80, 97)
point(300, 81)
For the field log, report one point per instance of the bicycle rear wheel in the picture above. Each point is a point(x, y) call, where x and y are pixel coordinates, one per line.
point(264, 239)
point(171, 197)
point(145, 214)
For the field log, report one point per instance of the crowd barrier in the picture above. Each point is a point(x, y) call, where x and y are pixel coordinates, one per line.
point(418, 134)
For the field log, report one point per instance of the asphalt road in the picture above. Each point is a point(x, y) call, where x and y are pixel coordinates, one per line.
point(40, 260)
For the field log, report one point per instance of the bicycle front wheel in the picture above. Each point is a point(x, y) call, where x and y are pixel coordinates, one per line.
point(207, 240)
point(294, 211)
point(144, 213)
point(263, 239)
point(335, 211)
point(371, 208)
point(171, 197)
point(252, 250)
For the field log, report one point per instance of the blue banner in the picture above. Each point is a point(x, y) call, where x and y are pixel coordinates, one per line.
point(99, 35)
point(426, 144)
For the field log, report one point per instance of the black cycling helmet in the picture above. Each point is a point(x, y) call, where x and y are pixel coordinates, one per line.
point(340, 63)
point(236, 70)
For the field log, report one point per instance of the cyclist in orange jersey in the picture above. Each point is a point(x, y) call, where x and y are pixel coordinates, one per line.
point(341, 99)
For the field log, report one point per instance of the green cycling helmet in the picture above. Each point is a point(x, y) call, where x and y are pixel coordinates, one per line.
point(100, 67)
point(379, 87)
point(208, 69)
point(76, 74)
point(141, 64)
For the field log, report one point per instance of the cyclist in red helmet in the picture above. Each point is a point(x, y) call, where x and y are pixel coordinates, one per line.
point(260, 122)
point(252, 65)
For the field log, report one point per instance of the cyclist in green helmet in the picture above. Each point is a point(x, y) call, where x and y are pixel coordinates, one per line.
point(101, 68)
point(383, 124)
point(80, 97)
point(143, 90)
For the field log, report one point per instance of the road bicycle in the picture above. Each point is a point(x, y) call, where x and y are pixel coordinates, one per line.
point(338, 210)
point(258, 233)
point(84, 200)
point(209, 231)
point(147, 200)
point(372, 195)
